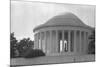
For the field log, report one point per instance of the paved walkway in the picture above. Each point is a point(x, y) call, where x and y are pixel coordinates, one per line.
point(52, 59)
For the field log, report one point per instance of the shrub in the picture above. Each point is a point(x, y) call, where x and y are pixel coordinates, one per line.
point(32, 53)
point(13, 53)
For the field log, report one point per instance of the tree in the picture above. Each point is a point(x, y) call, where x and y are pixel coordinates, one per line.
point(13, 46)
point(91, 47)
point(24, 45)
point(18, 48)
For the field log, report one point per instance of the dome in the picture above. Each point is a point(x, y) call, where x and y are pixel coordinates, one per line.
point(67, 19)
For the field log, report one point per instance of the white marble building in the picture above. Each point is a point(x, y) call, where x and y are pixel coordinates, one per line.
point(63, 34)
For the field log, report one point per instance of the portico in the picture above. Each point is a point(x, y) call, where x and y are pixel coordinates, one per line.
point(62, 35)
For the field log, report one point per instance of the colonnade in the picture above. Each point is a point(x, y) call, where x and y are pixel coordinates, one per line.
point(72, 41)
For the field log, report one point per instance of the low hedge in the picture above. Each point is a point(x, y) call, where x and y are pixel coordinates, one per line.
point(32, 53)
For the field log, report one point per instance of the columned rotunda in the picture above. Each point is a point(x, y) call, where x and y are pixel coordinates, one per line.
point(63, 34)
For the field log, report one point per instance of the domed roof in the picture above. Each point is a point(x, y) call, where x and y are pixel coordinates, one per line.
point(67, 19)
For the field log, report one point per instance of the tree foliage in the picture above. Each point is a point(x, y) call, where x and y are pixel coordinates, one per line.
point(91, 48)
point(24, 45)
point(13, 45)
point(17, 49)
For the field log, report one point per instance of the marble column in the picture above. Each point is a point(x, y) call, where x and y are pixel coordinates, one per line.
point(87, 42)
point(45, 41)
point(40, 43)
point(57, 40)
point(84, 48)
point(80, 42)
point(75, 45)
point(35, 42)
point(62, 41)
point(69, 32)
point(84, 42)
point(50, 41)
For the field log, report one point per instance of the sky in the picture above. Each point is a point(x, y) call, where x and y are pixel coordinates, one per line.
point(25, 16)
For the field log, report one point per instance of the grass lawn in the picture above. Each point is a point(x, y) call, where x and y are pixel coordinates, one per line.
point(51, 60)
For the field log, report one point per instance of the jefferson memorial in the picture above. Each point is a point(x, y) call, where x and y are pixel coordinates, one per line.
point(64, 34)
